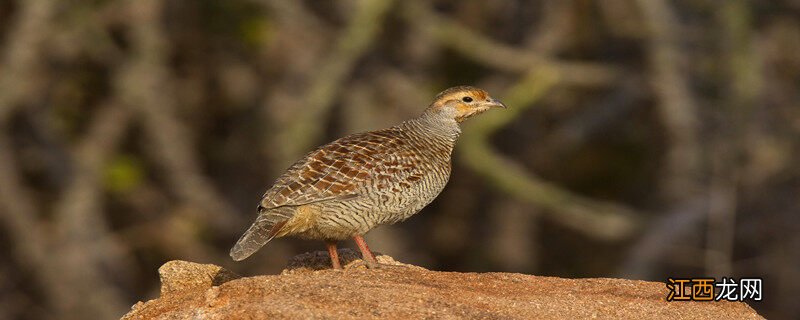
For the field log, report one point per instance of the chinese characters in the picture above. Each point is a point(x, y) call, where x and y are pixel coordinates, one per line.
point(703, 289)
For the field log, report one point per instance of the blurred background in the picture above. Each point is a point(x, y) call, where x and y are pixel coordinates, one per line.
point(644, 140)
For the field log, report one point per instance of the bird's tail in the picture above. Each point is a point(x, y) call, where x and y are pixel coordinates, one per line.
point(267, 225)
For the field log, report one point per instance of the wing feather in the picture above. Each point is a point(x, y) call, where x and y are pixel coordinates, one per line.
point(343, 168)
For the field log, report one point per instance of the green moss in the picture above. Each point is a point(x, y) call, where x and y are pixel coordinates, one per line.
point(123, 173)
point(255, 31)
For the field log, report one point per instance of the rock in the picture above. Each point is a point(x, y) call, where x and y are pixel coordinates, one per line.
point(304, 290)
point(182, 276)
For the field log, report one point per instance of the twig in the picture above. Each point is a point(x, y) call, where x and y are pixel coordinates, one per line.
point(676, 108)
point(18, 210)
point(599, 219)
point(286, 97)
point(730, 148)
point(492, 53)
point(603, 114)
point(306, 127)
point(84, 242)
point(663, 233)
point(18, 214)
point(144, 86)
point(20, 61)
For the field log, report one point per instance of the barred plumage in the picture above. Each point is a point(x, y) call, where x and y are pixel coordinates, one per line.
point(351, 185)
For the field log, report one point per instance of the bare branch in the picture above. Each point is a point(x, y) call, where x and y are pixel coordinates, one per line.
point(599, 219)
point(504, 57)
point(145, 87)
point(84, 241)
point(19, 65)
point(726, 173)
point(19, 215)
point(355, 40)
point(675, 106)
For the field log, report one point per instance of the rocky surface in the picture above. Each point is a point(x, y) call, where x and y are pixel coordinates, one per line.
point(182, 276)
point(309, 289)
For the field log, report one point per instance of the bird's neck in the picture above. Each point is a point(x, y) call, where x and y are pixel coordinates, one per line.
point(436, 126)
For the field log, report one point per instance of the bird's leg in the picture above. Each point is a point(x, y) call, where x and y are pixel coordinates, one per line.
point(367, 255)
point(334, 254)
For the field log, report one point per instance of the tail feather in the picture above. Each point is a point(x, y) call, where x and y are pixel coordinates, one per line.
point(266, 227)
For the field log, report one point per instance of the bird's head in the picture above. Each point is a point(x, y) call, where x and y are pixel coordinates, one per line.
point(462, 102)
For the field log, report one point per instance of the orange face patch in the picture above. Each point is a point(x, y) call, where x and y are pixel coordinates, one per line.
point(458, 93)
point(463, 108)
point(467, 101)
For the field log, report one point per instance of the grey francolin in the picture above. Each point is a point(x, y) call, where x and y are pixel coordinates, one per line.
point(347, 187)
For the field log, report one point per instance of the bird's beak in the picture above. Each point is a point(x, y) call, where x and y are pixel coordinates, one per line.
point(494, 103)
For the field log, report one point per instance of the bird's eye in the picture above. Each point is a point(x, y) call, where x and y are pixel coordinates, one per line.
point(467, 99)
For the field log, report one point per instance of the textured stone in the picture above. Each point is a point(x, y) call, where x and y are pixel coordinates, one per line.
point(407, 292)
point(181, 276)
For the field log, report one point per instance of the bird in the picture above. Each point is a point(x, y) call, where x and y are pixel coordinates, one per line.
point(349, 186)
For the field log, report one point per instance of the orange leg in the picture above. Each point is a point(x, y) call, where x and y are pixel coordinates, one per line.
point(334, 254)
point(367, 255)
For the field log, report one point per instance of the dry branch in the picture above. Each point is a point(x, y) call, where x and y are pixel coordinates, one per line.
point(307, 125)
point(19, 212)
point(676, 106)
point(599, 219)
point(484, 50)
point(32, 249)
point(19, 65)
point(741, 94)
point(145, 87)
point(85, 244)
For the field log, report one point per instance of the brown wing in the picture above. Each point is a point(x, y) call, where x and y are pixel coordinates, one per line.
point(341, 169)
point(373, 161)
